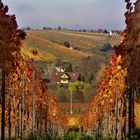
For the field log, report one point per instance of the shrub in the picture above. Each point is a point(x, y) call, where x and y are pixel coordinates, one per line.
point(67, 44)
point(106, 47)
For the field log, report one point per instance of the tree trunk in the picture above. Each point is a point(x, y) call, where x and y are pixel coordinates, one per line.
point(33, 102)
point(131, 112)
point(3, 107)
point(9, 116)
point(22, 107)
point(46, 119)
point(71, 109)
point(116, 119)
point(124, 117)
point(40, 118)
point(108, 122)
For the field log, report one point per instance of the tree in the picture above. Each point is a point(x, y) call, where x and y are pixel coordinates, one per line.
point(90, 66)
point(67, 44)
point(28, 28)
point(58, 62)
point(68, 67)
point(92, 30)
point(84, 30)
point(78, 85)
point(44, 28)
point(106, 47)
point(105, 31)
point(10, 38)
point(59, 28)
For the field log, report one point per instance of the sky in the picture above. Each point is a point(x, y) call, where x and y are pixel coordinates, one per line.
point(74, 14)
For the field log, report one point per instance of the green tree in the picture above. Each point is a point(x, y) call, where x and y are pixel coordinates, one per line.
point(78, 85)
point(106, 47)
point(59, 28)
point(68, 67)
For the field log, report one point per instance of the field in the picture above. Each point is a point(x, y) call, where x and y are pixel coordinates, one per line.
point(78, 108)
point(50, 44)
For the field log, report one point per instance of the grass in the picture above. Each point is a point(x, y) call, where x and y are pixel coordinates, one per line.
point(42, 56)
point(89, 33)
point(72, 134)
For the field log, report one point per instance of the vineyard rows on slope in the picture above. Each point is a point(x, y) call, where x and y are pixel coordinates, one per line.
point(50, 44)
point(55, 50)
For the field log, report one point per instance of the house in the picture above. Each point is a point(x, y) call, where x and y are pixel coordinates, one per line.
point(64, 77)
point(115, 32)
point(59, 69)
point(99, 31)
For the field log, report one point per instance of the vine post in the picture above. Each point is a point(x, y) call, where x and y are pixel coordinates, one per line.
point(3, 106)
point(33, 101)
point(22, 84)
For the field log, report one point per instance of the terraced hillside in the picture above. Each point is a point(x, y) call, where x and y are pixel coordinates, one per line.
point(51, 48)
point(50, 44)
point(50, 51)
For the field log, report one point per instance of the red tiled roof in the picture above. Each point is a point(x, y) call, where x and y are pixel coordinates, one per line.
point(73, 76)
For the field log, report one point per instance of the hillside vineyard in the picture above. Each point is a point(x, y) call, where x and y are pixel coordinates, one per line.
point(29, 110)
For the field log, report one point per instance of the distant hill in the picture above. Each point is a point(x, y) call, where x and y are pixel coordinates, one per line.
point(49, 50)
point(75, 47)
point(51, 44)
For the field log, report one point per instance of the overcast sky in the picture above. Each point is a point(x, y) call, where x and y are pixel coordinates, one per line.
point(105, 14)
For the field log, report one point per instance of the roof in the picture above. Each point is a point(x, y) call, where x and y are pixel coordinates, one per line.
point(116, 31)
point(73, 76)
point(38, 75)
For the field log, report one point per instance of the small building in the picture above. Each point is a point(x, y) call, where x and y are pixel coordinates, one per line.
point(64, 77)
point(111, 32)
point(115, 32)
point(59, 69)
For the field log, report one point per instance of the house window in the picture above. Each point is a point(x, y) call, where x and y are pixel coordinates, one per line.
point(64, 79)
